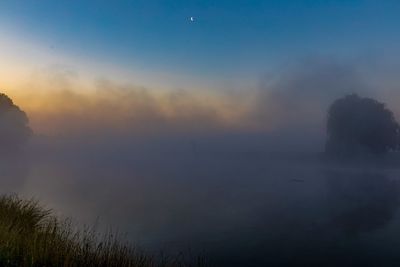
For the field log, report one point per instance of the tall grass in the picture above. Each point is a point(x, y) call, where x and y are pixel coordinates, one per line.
point(32, 236)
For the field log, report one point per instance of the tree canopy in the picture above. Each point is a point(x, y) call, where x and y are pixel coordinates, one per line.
point(14, 128)
point(360, 125)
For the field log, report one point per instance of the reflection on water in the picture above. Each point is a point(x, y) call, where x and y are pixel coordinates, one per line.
point(239, 210)
point(362, 201)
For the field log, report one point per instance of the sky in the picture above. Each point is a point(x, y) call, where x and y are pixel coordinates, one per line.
point(229, 47)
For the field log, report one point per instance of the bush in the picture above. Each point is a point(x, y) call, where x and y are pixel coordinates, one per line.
point(32, 236)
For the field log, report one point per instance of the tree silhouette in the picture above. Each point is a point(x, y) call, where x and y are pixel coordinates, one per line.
point(14, 128)
point(358, 125)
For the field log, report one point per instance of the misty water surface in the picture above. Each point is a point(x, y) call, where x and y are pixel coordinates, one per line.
point(231, 199)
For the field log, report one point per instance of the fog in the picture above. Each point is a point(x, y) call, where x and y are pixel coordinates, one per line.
point(238, 176)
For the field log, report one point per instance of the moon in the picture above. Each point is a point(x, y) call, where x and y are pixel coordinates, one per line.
point(191, 19)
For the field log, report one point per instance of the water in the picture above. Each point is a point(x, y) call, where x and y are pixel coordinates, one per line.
point(240, 208)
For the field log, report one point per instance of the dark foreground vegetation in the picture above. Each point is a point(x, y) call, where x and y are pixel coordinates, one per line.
point(32, 236)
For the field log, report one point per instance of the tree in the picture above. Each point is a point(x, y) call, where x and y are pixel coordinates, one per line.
point(358, 125)
point(14, 128)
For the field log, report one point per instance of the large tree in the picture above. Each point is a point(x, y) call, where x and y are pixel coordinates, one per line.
point(14, 128)
point(360, 125)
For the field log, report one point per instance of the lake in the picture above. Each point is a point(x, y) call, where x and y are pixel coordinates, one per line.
point(243, 207)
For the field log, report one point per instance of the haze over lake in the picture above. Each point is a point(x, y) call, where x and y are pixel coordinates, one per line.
point(255, 133)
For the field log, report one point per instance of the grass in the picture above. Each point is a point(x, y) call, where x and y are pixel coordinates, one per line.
point(32, 236)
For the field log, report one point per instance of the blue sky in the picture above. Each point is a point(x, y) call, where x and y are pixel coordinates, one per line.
point(222, 58)
point(229, 40)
